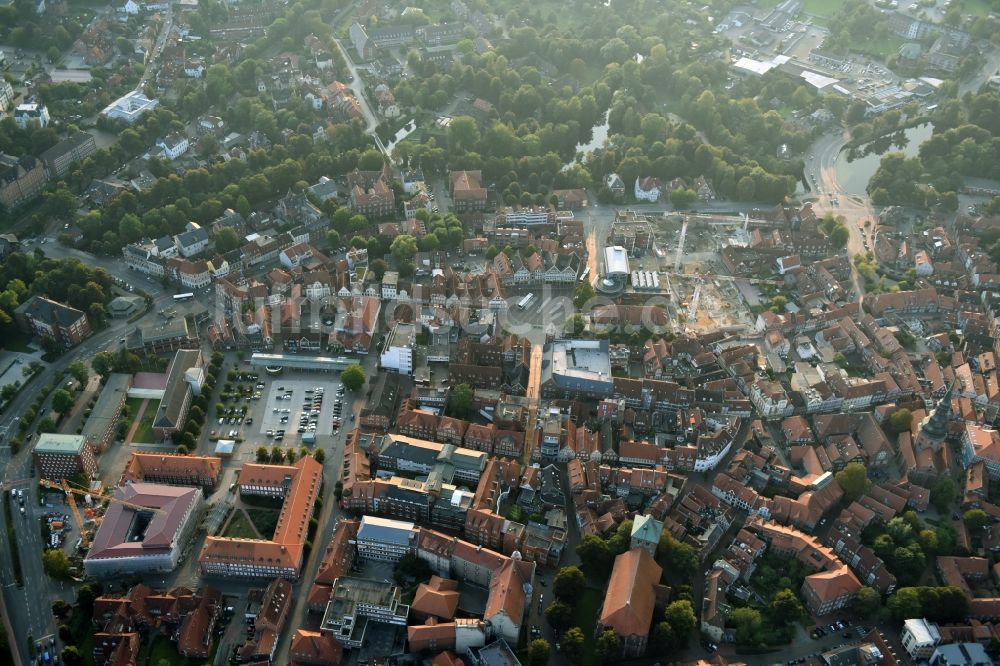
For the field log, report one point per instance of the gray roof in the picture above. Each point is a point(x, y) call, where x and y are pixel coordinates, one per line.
point(169, 412)
point(163, 243)
point(192, 237)
point(396, 532)
point(49, 311)
point(324, 189)
point(961, 654)
point(67, 145)
point(497, 653)
point(415, 454)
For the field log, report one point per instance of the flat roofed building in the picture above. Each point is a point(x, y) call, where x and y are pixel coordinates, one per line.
point(497, 653)
point(129, 107)
point(576, 369)
point(146, 532)
point(62, 456)
point(356, 602)
point(919, 638)
point(385, 539)
point(157, 337)
point(293, 362)
point(399, 349)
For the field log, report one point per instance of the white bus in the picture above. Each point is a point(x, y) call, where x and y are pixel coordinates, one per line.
point(585, 274)
point(525, 302)
point(184, 297)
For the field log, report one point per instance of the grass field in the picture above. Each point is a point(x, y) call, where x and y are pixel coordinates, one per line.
point(882, 48)
point(978, 7)
point(265, 520)
point(240, 527)
point(144, 433)
point(165, 650)
point(825, 8)
point(585, 616)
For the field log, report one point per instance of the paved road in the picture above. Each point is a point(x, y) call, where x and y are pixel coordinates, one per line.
point(332, 466)
point(856, 208)
point(30, 607)
point(989, 68)
point(358, 87)
point(152, 64)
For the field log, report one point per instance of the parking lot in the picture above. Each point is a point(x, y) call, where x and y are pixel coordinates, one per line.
point(291, 405)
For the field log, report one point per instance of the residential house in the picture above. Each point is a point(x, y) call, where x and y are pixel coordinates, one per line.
point(74, 149)
point(648, 189)
point(173, 145)
point(21, 180)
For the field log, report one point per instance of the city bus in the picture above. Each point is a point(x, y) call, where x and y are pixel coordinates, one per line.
point(184, 297)
point(525, 302)
point(585, 274)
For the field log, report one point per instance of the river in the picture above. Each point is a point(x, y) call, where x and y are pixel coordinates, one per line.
point(854, 176)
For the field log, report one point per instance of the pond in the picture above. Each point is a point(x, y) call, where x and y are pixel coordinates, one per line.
point(854, 176)
point(599, 134)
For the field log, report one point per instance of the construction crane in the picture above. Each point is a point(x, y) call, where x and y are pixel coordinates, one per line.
point(71, 500)
point(680, 245)
point(692, 312)
point(72, 492)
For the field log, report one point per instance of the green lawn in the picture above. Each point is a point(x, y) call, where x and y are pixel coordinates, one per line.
point(978, 7)
point(825, 8)
point(883, 48)
point(144, 433)
point(240, 527)
point(265, 520)
point(585, 617)
point(133, 406)
point(164, 649)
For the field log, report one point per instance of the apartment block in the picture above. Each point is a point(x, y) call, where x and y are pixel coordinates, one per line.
point(62, 456)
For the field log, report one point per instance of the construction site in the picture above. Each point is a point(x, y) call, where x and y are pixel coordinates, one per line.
point(677, 257)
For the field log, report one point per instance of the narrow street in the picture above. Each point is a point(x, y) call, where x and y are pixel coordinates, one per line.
point(358, 87)
point(533, 394)
point(152, 63)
